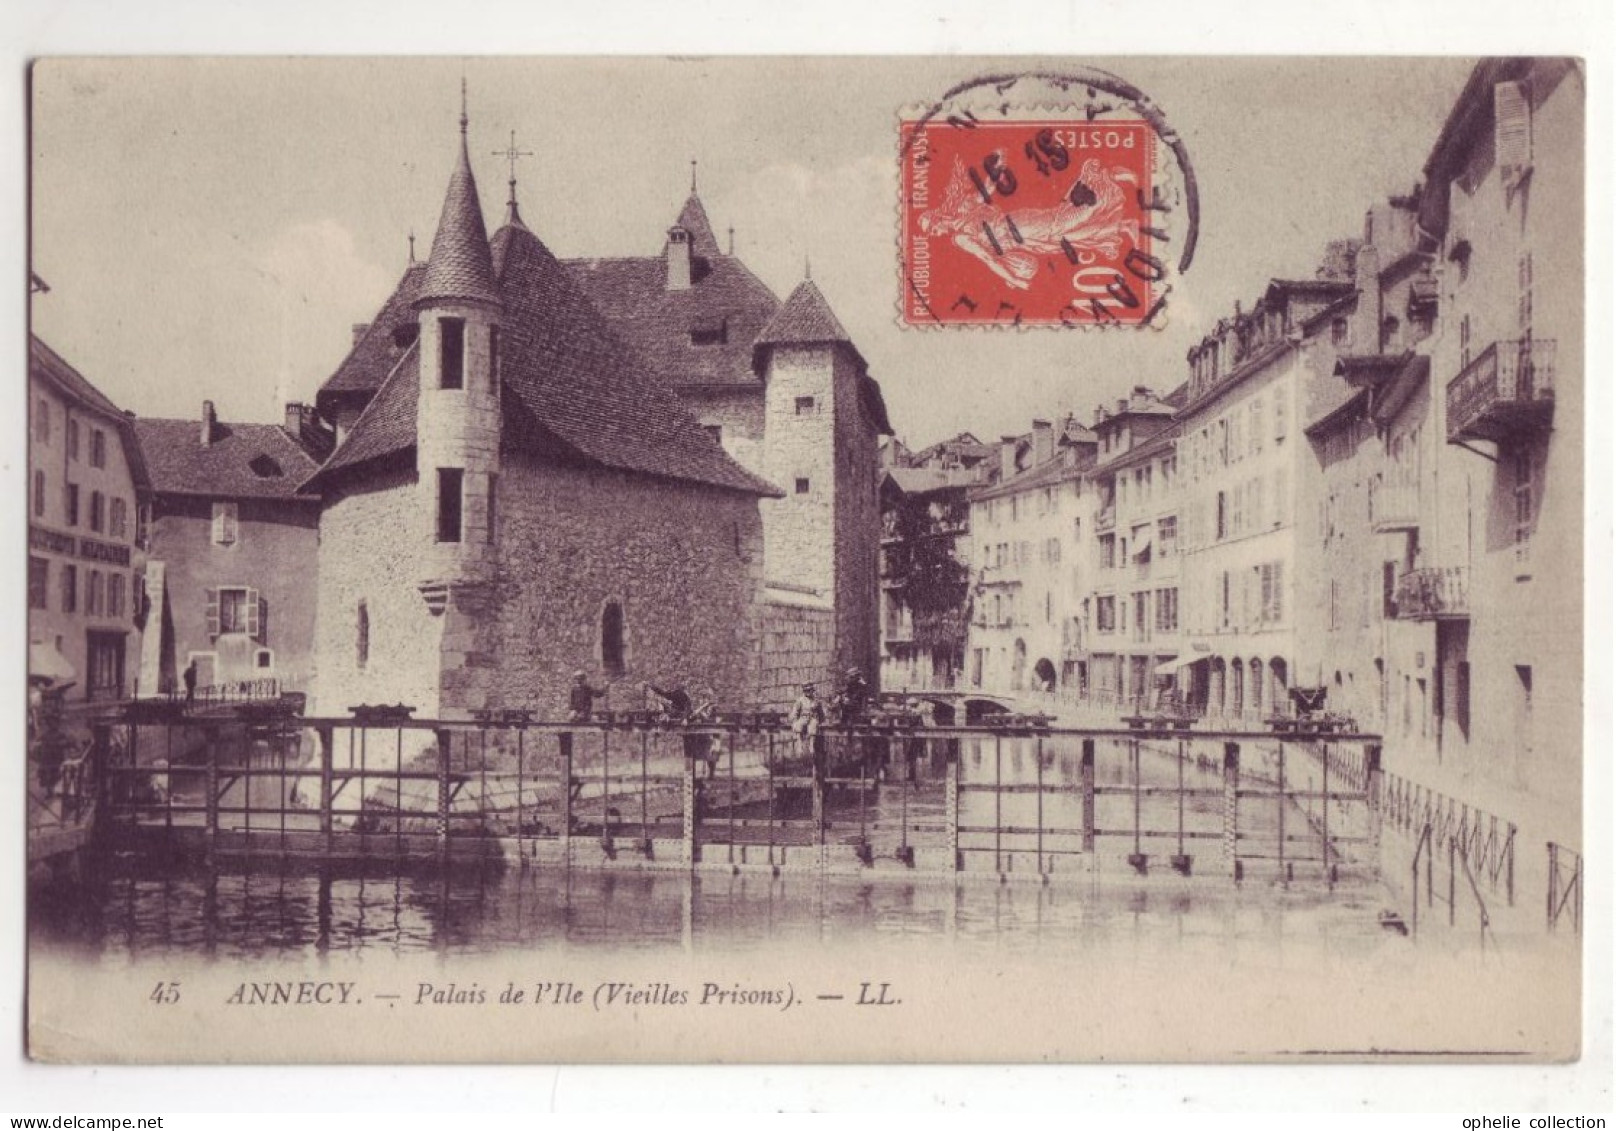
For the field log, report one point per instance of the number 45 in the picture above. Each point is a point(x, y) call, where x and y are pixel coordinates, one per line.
point(165, 993)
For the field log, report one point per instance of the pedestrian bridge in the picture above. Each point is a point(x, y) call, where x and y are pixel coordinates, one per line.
point(1000, 794)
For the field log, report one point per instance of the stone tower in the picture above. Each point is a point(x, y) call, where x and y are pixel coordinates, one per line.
point(822, 419)
point(458, 433)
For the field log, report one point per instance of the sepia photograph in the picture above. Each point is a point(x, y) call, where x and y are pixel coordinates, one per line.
point(725, 559)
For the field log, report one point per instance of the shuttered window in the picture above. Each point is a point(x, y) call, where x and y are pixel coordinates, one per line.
point(237, 609)
point(1512, 123)
point(225, 524)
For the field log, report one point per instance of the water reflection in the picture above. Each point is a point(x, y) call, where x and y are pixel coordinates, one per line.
point(259, 915)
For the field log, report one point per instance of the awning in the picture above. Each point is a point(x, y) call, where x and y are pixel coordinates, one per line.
point(1141, 543)
point(45, 662)
point(1170, 667)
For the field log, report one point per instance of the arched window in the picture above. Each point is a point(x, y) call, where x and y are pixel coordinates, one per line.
point(362, 635)
point(611, 638)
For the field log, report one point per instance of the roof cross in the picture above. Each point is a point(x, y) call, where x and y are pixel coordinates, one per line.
point(512, 154)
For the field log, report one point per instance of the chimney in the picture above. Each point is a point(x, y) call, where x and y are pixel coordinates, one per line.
point(209, 423)
point(359, 329)
point(296, 415)
point(1367, 316)
point(678, 256)
point(1043, 442)
point(1007, 456)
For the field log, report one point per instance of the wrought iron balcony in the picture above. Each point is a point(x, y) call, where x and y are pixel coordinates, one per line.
point(1507, 391)
point(1439, 593)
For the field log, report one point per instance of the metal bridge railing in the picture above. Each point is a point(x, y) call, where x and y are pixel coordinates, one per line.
point(1012, 797)
point(1486, 842)
point(1565, 887)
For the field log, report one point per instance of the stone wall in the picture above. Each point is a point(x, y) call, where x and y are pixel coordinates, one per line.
point(684, 562)
point(801, 451)
point(365, 557)
point(857, 529)
point(738, 415)
point(796, 644)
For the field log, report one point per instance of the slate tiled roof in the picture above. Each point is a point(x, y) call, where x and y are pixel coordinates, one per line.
point(566, 376)
point(385, 427)
point(658, 323)
point(245, 461)
point(693, 219)
point(586, 386)
point(460, 266)
point(377, 351)
point(805, 319)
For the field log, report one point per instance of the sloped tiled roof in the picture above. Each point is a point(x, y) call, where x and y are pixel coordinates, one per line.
point(387, 424)
point(244, 461)
point(693, 219)
point(565, 374)
point(377, 351)
point(921, 480)
point(805, 319)
point(460, 266)
point(48, 364)
point(658, 323)
point(1051, 471)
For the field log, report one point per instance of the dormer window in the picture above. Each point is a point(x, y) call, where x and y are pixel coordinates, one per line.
point(266, 467)
point(710, 333)
point(452, 353)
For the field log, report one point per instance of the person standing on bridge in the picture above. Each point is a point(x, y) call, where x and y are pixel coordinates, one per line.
point(190, 683)
point(807, 713)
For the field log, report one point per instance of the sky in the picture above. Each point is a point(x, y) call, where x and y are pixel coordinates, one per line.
point(214, 228)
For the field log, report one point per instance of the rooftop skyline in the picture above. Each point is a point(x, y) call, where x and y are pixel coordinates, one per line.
point(269, 204)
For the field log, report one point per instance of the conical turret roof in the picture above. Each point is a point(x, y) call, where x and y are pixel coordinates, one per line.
point(806, 318)
point(461, 265)
point(693, 219)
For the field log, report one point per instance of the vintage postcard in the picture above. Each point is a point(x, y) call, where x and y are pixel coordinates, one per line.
point(806, 559)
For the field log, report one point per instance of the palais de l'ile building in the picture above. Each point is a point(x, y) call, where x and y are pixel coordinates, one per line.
point(646, 469)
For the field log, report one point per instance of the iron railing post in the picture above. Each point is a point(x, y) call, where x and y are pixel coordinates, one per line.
point(327, 736)
point(1086, 763)
point(1231, 808)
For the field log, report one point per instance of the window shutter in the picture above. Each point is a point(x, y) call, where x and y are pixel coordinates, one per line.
point(213, 614)
point(218, 524)
point(255, 617)
point(1512, 123)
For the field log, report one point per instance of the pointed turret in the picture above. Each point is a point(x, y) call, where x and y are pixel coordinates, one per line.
point(461, 267)
point(805, 319)
point(693, 219)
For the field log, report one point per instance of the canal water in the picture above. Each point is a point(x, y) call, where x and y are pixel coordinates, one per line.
point(142, 912)
point(139, 907)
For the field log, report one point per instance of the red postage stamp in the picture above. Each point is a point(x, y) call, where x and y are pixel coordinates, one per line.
point(1029, 223)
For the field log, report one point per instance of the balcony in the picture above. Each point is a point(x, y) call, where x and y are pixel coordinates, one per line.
point(1397, 507)
point(1507, 391)
point(1441, 593)
point(939, 629)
